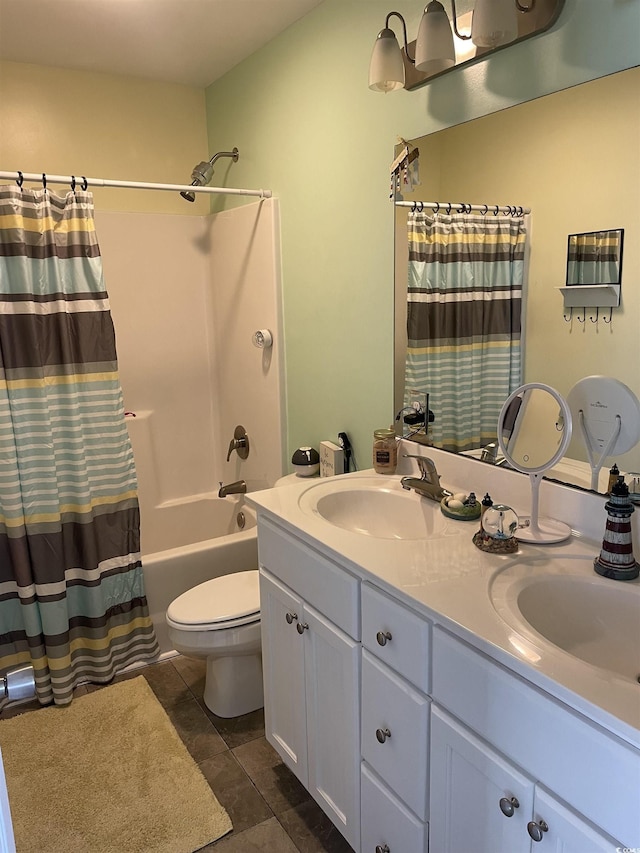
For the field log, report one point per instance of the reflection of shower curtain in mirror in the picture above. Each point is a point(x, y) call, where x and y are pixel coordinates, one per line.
point(72, 601)
point(464, 297)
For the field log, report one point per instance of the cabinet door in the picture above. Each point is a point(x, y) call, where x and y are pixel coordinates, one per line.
point(470, 785)
point(567, 832)
point(333, 730)
point(283, 667)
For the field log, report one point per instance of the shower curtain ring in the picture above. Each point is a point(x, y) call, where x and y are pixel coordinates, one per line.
point(73, 184)
point(414, 207)
point(520, 211)
point(44, 182)
point(84, 184)
point(421, 207)
point(20, 180)
point(496, 211)
point(485, 211)
point(437, 210)
point(448, 208)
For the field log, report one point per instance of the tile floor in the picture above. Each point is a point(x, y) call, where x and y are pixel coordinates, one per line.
point(269, 808)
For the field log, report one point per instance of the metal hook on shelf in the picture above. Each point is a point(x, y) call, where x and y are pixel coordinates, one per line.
point(570, 317)
point(610, 316)
point(597, 316)
point(584, 316)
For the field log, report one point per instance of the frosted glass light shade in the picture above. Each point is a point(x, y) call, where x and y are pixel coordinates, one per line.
point(434, 48)
point(386, 69)
point(494, 22)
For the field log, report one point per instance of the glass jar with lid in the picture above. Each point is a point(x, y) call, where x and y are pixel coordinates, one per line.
point(385, 451)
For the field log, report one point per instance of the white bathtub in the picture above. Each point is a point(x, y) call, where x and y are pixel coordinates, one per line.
point(189, 542)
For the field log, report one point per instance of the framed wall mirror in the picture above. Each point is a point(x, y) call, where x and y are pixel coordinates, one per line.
point(595, 258)
point(541, 154)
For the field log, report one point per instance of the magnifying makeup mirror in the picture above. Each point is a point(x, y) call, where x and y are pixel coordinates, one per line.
point(534, 430)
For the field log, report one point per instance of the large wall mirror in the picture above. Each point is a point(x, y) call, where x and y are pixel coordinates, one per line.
point(572, 158)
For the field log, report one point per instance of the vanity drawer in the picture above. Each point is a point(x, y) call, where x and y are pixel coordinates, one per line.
point(396, 714)
point(408, 649)
point(386, 820)
point(557, 747)
point(322, 583)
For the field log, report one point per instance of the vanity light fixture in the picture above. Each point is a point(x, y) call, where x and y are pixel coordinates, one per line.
point(494, 24)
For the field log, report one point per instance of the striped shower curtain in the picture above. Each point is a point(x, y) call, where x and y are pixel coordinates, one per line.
point(72, 601)
point(464, 297)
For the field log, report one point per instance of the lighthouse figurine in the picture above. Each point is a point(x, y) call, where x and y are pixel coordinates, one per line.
point(616, 560)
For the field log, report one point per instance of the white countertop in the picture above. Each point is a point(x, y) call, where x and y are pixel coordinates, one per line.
point(449, 580)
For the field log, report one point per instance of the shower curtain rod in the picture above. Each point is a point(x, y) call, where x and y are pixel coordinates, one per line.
point(83, 183)
point(465, 207)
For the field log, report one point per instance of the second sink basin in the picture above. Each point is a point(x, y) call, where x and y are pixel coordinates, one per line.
point(376, 507)
point(594, 619)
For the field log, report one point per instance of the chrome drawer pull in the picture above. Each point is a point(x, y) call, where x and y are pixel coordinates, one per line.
point(382, 848)
point(382, 637)
point(382, 735)
point(301, 627)
point(537, 830)
point(508, 806)
point(291, 617)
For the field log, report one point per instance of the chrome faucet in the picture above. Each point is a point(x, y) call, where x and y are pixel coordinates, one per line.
point(237, 488)
point(428, 484)
point(490, 453)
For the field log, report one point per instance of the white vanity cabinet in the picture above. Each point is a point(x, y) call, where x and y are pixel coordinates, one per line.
point(498, 752)
point(311, 663)
point(395, 725)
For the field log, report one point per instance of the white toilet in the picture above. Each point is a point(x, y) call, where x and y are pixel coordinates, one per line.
point(219, 620)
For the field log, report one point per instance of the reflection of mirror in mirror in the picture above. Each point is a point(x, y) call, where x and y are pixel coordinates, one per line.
point(534, 430)
point(595, 258)
point(549, 163)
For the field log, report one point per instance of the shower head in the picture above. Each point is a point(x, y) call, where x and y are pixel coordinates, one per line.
point(203, 172)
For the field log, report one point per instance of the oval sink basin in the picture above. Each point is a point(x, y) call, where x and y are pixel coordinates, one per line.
point(378, 508)
point(594, 619)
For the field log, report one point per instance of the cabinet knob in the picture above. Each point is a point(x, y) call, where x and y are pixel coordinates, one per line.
point(291, 617)
point(382, 735)
point(301, 627)
point(382, 637)
point(508, 806)
point(537, 830)
point(382, 848)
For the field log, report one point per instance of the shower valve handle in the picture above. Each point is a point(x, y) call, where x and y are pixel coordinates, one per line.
point(239, 443)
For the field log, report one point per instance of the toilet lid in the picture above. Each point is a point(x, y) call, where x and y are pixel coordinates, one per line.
point(229, 599)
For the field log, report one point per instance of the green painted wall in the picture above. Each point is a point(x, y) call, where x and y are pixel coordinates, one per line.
point(309, 129)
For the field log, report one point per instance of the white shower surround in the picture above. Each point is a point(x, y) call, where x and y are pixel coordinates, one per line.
point(187, 293)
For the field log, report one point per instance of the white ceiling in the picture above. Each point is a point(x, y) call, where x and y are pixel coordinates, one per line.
point(192, 42)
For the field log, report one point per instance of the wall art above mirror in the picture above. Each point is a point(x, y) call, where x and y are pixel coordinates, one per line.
point(541, 155)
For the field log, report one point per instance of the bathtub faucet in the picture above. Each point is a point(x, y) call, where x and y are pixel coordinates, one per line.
point(237, 488)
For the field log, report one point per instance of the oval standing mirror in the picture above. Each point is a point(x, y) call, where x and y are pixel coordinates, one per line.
point(534, 430)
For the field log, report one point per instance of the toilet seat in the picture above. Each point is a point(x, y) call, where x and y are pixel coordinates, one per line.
point(225, 602)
